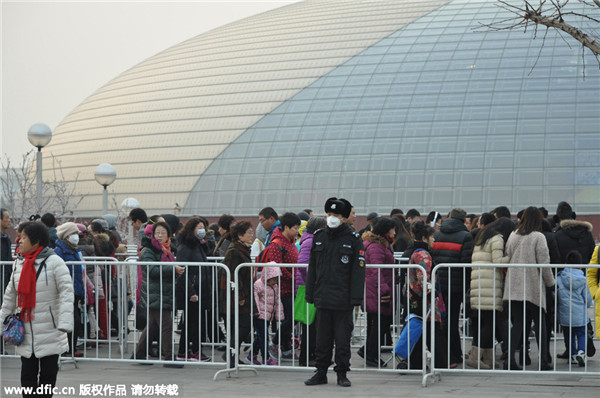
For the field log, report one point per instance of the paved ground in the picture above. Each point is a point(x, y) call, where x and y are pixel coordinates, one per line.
point(194, 381)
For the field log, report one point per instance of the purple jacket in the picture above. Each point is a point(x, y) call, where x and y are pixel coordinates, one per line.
point(379, 282)
point(303, 257)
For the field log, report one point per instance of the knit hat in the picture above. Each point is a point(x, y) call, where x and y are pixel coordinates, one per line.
point(102, 222)
point(66, 229)
point(81, 228)
point(111, 219)
point(458, 213)
point(303, 216)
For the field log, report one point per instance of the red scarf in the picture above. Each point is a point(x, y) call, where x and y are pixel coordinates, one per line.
point(166, 254)
point(166, 249)
point(27, 282)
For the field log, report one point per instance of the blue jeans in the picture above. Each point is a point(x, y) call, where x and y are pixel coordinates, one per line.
point(578, 338)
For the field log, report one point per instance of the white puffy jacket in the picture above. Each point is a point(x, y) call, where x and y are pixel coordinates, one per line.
point(487, 283)
point(46, 334)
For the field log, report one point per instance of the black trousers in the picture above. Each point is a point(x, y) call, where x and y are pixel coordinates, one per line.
point(190, 330)
point(308, 343)
point(453, 302)
point(520, 331)
point(244, 329)
point(484, 337)
point(441, 358)
point(37, 372)
point(334, 326)
point(285, 327)
point(376, 334)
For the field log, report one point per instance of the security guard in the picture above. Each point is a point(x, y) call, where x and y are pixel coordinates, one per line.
point(335, 284)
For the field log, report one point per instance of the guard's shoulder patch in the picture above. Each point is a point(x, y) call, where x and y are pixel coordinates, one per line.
point(361, 261)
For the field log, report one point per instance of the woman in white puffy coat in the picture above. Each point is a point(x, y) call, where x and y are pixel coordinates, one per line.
point(50, 315)
point(486, 289)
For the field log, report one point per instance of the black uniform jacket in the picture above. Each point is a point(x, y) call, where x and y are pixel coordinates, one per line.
point(335, 279)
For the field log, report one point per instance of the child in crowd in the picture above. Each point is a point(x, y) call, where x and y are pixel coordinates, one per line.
point(573, 299)
point(268, 308)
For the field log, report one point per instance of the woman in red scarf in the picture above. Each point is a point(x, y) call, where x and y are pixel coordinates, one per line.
point(45, 303)
point(160, 281)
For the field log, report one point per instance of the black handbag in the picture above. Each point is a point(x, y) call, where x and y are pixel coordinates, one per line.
point(591, 350)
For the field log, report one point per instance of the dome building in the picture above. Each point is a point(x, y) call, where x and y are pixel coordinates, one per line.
point(386, 103)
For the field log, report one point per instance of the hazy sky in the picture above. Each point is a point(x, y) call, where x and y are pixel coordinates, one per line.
point(55, 54)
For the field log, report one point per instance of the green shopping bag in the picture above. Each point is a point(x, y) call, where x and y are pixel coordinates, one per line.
point(301, 307)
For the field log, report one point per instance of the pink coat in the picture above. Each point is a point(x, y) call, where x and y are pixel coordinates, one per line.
point(379, 283)
point(268, 302)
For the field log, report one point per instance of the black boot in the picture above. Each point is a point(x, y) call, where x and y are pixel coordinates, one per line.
point(527, 359)
point(361, 352)
point(320, 377)
point(342, 379)
point(511, 365)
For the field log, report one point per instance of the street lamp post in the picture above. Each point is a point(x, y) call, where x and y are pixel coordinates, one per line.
point(105, 175)
point(39, 136)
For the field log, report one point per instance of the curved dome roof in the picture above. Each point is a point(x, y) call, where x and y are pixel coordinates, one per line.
point(389, 103)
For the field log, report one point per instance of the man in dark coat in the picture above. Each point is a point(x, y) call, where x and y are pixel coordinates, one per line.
point(453, 244)
point(335, 283)
point(50, 221)
point(572, 235)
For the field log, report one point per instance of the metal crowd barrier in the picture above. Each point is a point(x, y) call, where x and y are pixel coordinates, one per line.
point(122, 316)
point(246, 358)
point(503, 324)
point(123, 322)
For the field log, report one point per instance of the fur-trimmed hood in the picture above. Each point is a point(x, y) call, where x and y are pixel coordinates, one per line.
point(574, 226)
point(369, 236)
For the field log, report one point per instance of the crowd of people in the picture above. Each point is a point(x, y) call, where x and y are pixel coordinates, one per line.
point(504, 304)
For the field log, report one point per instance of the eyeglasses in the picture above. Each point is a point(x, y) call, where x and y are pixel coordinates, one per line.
point(160, 233)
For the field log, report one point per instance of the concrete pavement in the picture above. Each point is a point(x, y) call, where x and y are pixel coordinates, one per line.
point(194, 381)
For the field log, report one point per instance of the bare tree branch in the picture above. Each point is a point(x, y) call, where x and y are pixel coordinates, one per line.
point(64, 198)
point(552, 14)
point(18, 184)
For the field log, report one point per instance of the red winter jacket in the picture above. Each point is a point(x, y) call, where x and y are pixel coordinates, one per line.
point(290, 257)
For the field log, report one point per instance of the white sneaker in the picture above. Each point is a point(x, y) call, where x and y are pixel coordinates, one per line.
point(580, 358)
point(574, 360)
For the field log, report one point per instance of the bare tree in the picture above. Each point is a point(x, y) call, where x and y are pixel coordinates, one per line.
point(18, 190)
point(122, 223)
point(18, 187)
point(554, 14)
point(63, 196)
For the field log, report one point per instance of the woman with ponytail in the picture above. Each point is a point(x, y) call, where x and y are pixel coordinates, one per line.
point(40, 285)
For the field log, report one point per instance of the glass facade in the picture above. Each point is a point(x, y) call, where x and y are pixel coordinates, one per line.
point(389, 104)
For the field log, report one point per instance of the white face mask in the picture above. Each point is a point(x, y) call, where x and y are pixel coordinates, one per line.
point(333, 222)
point(74, 239)
point(201, 233)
